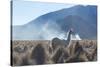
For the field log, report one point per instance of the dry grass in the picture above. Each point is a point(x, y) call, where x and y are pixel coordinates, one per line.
point(36, 52)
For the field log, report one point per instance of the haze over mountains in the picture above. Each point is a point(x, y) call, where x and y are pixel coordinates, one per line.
point(83, 19)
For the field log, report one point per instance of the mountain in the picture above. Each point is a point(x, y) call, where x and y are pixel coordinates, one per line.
point(83, 19)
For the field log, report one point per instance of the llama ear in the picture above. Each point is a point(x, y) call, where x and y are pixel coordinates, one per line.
point(78, 48)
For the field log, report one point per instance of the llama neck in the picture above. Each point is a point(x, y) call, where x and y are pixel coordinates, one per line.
point(69, 36)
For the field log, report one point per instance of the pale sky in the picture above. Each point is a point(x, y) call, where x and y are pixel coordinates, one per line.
point(25, 11)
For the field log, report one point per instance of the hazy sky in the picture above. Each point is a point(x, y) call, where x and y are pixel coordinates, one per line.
point(25, 11)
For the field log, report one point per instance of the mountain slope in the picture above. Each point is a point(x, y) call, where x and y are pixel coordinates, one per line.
point(83, 19)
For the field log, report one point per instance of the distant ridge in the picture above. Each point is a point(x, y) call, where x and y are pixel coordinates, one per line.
point(56, 24)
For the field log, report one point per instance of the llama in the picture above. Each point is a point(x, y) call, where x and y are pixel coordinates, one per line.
point(58, 42)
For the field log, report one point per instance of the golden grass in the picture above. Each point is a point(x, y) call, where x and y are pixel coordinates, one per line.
point(36, 52)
